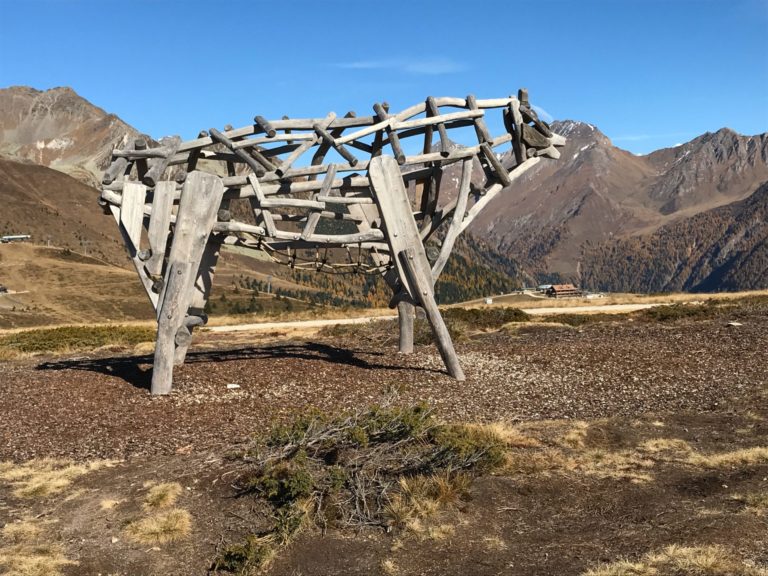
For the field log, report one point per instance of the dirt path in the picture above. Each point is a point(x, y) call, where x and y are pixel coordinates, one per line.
point(306, 324)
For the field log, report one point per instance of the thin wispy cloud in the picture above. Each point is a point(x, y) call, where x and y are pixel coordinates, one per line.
point(543, 114)
point(420, 66)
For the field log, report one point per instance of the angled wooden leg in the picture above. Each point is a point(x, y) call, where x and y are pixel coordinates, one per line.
point(198, 205)
point(417, 272)
point(202, 291)
point(408, 251)
point(405, 314)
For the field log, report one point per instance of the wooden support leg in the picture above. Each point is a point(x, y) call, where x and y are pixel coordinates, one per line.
point(410, 258)
point(405, 314)
point(202, 290)
point(198, 205)
point(421, 283)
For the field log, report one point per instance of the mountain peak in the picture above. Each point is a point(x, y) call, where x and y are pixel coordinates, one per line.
point(581, 131)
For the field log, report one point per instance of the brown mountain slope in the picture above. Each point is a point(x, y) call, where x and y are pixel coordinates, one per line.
point(56, 208)
point(59, 129)
point(597, 192)
point(722, 249)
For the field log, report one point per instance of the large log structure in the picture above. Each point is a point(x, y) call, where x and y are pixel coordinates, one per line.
point(171, 200)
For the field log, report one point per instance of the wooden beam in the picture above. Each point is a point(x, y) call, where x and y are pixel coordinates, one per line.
point(198, 206)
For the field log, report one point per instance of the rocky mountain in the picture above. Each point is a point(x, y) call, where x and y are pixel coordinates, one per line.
point(583, 217)
point(597, 193)
point(59, 129)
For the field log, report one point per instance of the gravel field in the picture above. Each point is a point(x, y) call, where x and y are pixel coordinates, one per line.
point(99, 406)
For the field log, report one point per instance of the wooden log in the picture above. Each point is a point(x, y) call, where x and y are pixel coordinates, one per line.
point(481, 129)
point(198, 206)
point(346, 154)
point(118, 167)
point(532, 137)
point(405, 315)
point(291, 203)
point(458, 215)
point(513, 121)
point(286, 165)
point(433, 110)
point(253, 158)
point(501, 173)
point(183, 337)
point(263, 215)
point(159, 225)
point(233, 226)
point(157, 166)
point(266, 126)
point(314, 218)
point(140, 144)
point(394, 139)
point(419, 277)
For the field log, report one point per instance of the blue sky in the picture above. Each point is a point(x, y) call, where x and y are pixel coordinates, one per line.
point(648, 73)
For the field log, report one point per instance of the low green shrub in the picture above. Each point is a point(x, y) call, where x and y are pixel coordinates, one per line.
point(75, 338)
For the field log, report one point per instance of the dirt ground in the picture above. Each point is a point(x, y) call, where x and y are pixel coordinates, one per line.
point(599, 400)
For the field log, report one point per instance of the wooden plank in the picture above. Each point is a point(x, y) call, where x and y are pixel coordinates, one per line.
point(159, 224)
point(481, 129)
point(198, 206)
point(395, 209)
point(146, 281)
point(434, 111)
point(458, 215)
point(132, 211)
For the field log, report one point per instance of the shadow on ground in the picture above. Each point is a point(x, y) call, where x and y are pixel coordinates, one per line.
point(137, 370)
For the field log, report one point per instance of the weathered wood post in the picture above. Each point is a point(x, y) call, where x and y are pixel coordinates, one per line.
point(408, 251)
point(198, 205)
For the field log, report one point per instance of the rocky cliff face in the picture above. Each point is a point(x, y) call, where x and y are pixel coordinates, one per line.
point(598, 194)
point(59, 129)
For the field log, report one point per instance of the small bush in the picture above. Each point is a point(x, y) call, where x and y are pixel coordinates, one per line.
point(679, 312)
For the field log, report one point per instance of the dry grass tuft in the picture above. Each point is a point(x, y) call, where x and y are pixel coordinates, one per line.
point(389, 567)
point(29, 554)
point(576, 437)
point(666, 447)
point(506, 434)
point(162, 495)
point(756, 502)
point(683, 561)
point(622, 465)
point(21, 531)
point(33, 560)
point(46, 477)
point(494, 543)
point(744, 457)
point(168, 526)
point(109, 504)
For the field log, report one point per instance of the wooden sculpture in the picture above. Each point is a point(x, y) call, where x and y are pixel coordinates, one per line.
point(171, 200)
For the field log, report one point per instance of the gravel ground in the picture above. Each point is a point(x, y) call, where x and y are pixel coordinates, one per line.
point(99, 406)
